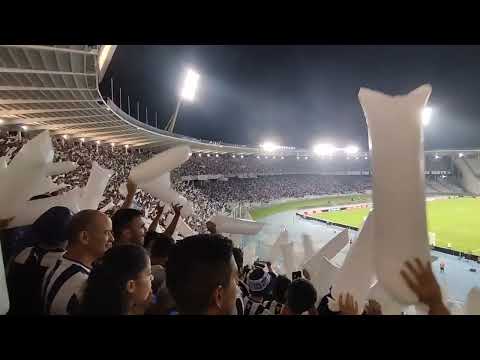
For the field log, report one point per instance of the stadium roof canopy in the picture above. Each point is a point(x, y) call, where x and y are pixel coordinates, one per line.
point(55, 87)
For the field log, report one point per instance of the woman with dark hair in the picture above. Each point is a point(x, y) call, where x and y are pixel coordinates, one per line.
point(120, 284)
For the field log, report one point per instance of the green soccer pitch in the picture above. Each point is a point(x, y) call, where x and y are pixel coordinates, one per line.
point(455, 221)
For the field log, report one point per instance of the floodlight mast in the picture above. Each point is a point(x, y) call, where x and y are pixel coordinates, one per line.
point(188, 92)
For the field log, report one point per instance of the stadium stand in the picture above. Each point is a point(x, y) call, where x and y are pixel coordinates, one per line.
point(56, 88)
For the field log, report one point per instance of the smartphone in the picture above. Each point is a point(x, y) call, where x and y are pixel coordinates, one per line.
point(296, 275)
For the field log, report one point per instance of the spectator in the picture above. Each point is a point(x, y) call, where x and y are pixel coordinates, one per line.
point(279, 294)
point(90, 235)
point(420, 279)
point(128, 227)
point(301, 297)
point(242, 289)
point(162, 245)
point(119, 284)
point(202, 275)
point(258, 282)
point(25, 273)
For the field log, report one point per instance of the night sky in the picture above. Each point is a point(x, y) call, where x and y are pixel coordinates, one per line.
point(299, 95)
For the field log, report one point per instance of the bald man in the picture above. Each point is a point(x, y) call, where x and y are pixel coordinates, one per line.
point(90, 235)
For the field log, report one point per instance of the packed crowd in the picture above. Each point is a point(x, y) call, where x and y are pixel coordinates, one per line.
point(108, 263)
point(208, 197)
point(201, 164)
point(265, 189)
point(91, 264)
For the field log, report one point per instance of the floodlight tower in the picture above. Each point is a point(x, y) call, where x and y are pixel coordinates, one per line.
point(189, 89)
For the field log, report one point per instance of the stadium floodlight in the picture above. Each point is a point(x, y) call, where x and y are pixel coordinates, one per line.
point(258, 157)
point(65, 137)
point(189, 89)
point(233, 156)
point(1, 121)
point(208, 155)
point(269, 146)
point(351, 149)
point(216, 155)
point(82, 140)
point(266, 157)
point(126, 147)
point(306, 157)
point(98, 142)
point(190, 85)
point(324, 149)
point(241, 156)
point(24, 127)
point(298, 157)
point(113, 144)
point(282, 158)
point(426, 115)
point(366, 157)
point(437, 157)
point(199, 154)
point(460, 155)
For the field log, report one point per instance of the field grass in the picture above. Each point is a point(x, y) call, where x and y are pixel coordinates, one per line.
point(259, 213)
point(454, 221)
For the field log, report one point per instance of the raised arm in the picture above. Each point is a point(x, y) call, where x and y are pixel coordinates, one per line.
point(153, 226)
point(171, 228)
point(131, 190)
point(420, 279)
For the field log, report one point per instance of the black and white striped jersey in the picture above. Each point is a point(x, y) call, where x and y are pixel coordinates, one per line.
point(252, 307)
point(273, 306)
point(25, 276)
point(63, 286)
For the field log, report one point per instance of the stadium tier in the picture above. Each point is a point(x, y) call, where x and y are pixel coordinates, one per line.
point(56, 88)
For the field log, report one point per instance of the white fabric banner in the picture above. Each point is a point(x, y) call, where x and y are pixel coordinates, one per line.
point(357, 274)
point(398, 184)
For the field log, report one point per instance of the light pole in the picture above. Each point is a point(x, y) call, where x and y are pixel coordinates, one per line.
point(189, 89)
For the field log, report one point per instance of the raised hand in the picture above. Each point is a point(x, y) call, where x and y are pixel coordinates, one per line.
point(420, 279)
point(176, 209)
point(131, 187)
point(373, 308)
point(306, 274)
point(349, 306)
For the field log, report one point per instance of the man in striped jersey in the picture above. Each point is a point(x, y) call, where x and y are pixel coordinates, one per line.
point(26, 271)
point(258, 282)
point(90, 235)
point(242, 289)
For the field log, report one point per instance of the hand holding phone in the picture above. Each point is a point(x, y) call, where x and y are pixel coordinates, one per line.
point(296, 275)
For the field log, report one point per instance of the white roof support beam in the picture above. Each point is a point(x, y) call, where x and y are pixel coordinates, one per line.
point(42, 72)
point(38, 101)
point(36, 88)
point(42, 111)
point(48, 119)
point(53, 48)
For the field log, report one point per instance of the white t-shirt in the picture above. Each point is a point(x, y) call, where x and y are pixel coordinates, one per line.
point(63, 286)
